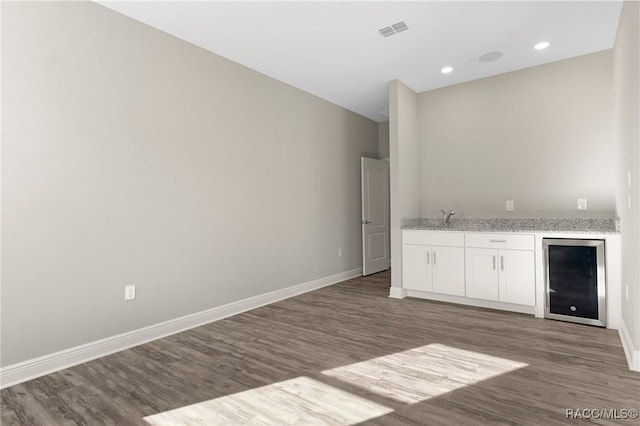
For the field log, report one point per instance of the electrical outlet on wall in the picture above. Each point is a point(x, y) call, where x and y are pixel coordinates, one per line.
point(582, 203)
point(129, 292)
point(626, 290)
point(510, 205)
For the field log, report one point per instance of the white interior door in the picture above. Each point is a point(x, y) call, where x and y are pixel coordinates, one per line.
point(375, 215)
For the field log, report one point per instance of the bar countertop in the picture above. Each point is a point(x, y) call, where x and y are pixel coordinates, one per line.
point(574, 226)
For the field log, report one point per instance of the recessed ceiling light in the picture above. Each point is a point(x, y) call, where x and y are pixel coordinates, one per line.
point(542, 45)
point(446, 70)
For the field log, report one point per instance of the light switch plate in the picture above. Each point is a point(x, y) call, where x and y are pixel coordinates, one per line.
point(582, 203)
point(510, 205)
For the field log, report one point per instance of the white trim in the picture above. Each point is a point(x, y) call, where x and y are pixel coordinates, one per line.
point(47, 364)
point(397, 293)
point(461, 300)
point(632, 354)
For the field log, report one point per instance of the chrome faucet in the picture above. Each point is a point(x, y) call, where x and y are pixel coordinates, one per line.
point(447, 216)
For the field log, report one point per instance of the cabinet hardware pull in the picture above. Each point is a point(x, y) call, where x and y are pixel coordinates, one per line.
point(427, 258)
point(494, 263)
point(502, 263)
point(434, 257)
point(497, 241)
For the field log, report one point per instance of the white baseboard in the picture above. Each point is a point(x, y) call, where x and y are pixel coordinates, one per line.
point(461, 300)
point(47, 364)
point(397, 293)
point(630, 352)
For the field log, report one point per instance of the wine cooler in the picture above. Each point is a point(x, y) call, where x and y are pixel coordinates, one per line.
point(575, 280)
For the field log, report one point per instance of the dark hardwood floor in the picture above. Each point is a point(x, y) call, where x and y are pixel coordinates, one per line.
point(424, 363)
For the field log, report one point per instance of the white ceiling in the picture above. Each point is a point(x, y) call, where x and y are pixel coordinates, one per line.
point(334, 51)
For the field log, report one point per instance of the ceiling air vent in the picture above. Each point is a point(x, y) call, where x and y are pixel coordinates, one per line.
point(400, 27)
point(387, 31)
point(394, 29)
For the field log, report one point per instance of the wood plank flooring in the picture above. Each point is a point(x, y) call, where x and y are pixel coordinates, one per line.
point(345, 354)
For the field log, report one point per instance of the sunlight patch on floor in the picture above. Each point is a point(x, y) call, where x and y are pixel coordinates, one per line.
point(421, 373)
point(293, 402)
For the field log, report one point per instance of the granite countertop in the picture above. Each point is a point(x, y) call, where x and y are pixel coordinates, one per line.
point(587, 226)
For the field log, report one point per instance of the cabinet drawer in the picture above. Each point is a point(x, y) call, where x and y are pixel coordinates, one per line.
point(500, 241)
point(433, 238)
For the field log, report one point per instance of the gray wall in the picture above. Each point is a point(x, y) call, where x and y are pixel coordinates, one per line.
point(539, 136)
point(131, 157)
point(403, 168)
point(383, 140)
point(627, 98)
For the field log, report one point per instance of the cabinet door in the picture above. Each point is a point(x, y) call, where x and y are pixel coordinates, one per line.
point(448, 270)
point(517, 277)
point(416, 268)
point(482, 273)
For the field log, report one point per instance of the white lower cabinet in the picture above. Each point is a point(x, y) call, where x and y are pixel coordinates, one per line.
point(482, 275)
point(437, 268)
point(501, 275)
point(416, 267)
point(517, 278)
point(485, 266)
point(448, 270)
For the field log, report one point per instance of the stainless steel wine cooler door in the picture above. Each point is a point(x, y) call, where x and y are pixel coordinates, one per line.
point(575, 280)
